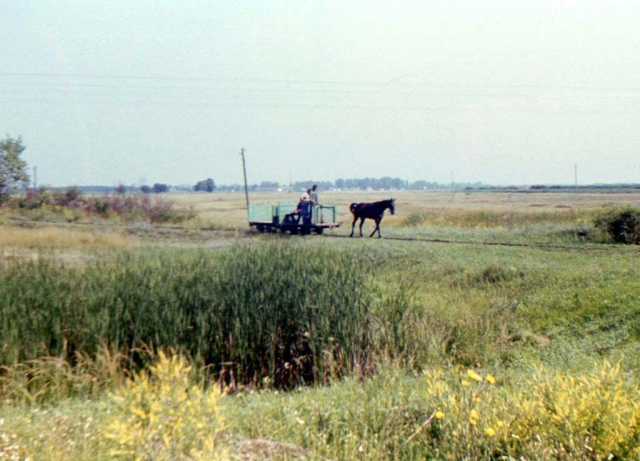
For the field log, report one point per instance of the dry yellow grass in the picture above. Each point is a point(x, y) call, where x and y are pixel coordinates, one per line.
point(59, 238)
point(460, 209)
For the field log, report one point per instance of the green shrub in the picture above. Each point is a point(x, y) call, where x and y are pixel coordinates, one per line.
point(622, 225)
point(71, 205)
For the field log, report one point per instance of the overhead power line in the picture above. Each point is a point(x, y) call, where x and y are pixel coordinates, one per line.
point(396, 81)
point(187, 78)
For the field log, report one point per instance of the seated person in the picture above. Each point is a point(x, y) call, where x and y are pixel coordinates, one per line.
point(303, 209)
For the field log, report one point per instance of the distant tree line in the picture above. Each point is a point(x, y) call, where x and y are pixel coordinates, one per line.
point(14, 178)
point(606, 187)
point(375, 184)
point(157, 188)
point(383, 183)
point(206, 185)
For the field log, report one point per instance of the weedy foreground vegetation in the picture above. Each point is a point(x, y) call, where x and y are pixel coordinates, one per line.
point(320, 348)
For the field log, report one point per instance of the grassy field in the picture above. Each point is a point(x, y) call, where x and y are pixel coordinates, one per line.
point(404, 349)
point(440, 209)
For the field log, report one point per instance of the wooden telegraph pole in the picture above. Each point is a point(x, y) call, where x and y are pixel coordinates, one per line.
point(246, 185)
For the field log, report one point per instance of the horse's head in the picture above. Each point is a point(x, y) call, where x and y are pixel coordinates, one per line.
point(392, 205)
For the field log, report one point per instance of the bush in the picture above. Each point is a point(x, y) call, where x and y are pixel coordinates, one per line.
point(161, 415)
point(70, 196)
point(73, 206)
point(622, 226)
point(32, 200)
point(563, 416)
point(289, 314)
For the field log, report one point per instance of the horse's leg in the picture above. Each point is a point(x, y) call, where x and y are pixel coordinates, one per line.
point(377, 229)
point(361, 224)
point(353, 224)
point(379, 234)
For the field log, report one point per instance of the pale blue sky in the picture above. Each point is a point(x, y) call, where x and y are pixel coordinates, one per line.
point(498, 91)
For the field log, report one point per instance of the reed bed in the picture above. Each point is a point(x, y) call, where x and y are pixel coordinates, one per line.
point(275, 312)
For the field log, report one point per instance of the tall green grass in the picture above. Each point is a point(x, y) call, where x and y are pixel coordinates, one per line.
point(285, 313)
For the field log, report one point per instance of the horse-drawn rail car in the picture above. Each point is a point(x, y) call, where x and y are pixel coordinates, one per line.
point(287, 218)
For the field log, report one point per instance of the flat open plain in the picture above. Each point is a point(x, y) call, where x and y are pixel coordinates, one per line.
point(485, 326)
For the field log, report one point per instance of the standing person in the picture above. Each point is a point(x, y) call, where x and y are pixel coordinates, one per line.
point(305, 200)
point(306, 197)
point(315, 202)
point(305, 204)
point(313, 195)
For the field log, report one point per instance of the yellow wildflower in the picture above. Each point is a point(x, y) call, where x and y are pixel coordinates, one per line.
point(489, 432)
point(439, 415)
point(474, 416)
point(163, 409)
point(491, 379)
point(474, 376)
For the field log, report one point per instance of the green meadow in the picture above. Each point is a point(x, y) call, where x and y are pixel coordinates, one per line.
point(271, 347)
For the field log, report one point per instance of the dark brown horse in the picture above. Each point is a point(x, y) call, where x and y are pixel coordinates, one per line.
point(373, 211)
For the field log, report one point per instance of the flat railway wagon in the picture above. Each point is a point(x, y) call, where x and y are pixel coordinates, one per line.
point(285, 218)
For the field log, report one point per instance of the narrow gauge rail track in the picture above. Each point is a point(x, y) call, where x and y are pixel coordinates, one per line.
point(602, 247)
point(588, 248)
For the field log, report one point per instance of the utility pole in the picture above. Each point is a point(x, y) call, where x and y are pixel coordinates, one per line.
point(246, 185)
point(453, 186)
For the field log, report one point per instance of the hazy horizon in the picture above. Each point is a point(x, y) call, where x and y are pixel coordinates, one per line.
point(440, 184)
point(500, 92)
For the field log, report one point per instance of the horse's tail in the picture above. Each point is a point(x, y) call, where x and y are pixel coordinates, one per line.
point(353, 207)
